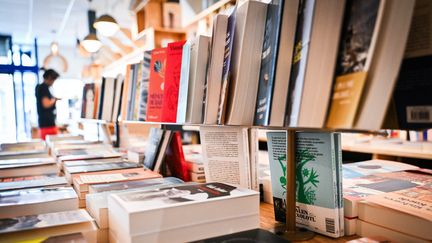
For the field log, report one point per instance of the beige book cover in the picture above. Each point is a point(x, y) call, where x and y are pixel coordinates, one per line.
point(346, 97)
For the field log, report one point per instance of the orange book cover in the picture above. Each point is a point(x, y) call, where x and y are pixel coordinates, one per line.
point(172, 81)
point(156, 84)
point(82, 180)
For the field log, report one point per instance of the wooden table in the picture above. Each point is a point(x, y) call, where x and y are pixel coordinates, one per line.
point(268, 223)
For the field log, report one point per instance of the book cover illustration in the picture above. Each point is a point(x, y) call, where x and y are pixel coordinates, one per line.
point(172, 81)
point(156, 84)
point(142, 110)
point(268, 62)
point(317, 206)
point(151, 199)
point(355, 56)
point(300, 54)
point(36, 195)
point(30, 222)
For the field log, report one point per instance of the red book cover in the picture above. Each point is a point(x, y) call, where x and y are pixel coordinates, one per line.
point(172, 81)
point(175, 159)
point(156, 84)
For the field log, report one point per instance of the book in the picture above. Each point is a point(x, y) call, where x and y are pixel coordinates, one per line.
point(226, 155)
point(23, 178)
point(170, 207)
point(136, 155)
point(396, 220)
point(172, 81)
point(413, 202)
point(200, 51)
point(125, 93)
point(213, 82)
point(370, 167)
point(366, 229)
point(156, 84)
point(226, 69)
point(119, 186)
point(268, 62)
point(255, 235)
point(27, 167)
point(303, 37)
point(81, 182)
point(162, 150)
point(318, 201)
point(138, 79)
point(384, 68)
point(31, 182)
point(184, 82)
point(108, 94)
point(246, 61)
point(175, 159)
point(47, 227)
point(152, 147)
point(69, 171)
point(117, 98)
point(133, 78)
point(34, 144)
point(197, 176)
point(97, 200)
point(284, 59)
point(88, 101)
point(361, 28)
point(37, 200)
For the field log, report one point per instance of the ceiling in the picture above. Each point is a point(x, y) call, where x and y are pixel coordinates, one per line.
point(27, 19)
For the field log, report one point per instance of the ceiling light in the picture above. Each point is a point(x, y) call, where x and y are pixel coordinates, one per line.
point(91, 43)
point(106, 25)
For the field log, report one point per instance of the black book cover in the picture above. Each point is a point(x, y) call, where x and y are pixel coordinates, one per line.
point(412, 95)
point(268, 62)
point(249, 236)
point(101, 99)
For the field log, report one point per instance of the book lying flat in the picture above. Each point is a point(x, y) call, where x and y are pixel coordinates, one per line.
point(170, 209)
point(82, 181)
point(40, 227)
point(69, 171)
point(37, 200)
point(43, 182)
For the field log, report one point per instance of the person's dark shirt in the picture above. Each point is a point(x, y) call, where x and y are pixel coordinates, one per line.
point(46, 115)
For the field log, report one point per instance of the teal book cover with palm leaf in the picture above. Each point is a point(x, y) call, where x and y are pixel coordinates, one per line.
point(317, 194)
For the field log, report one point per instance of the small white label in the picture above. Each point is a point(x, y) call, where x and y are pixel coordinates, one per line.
point(419, 114)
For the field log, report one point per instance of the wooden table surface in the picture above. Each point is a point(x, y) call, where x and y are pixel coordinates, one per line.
point(268, 222)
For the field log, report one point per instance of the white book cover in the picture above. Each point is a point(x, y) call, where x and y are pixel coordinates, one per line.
point(370, 167)
point(184, 82)
point(200, 50)
point(36, 195)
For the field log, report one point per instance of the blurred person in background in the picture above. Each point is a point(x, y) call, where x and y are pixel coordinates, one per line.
point(46, 104)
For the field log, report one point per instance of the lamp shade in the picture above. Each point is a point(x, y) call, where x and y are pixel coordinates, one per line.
point(91, 43)
point(106, 25)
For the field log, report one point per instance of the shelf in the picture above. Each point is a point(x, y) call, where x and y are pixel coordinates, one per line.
point(397, 150)
point(150, 30)
point(208, 11)
point(97, 121)
point(129, 58)
point(317, 129)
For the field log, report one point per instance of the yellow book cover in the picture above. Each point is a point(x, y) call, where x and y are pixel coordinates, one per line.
point(345, 101)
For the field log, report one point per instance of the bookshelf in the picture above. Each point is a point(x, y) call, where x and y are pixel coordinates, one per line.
point(290, 227)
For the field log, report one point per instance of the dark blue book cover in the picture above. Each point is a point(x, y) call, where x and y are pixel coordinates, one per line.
point(101, 99)
point(226, 71)
point(268, 62)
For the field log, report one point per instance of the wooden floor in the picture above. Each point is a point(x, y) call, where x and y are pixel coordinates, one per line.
point(268, 223)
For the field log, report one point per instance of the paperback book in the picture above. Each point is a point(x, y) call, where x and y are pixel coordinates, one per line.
point(318, 205)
